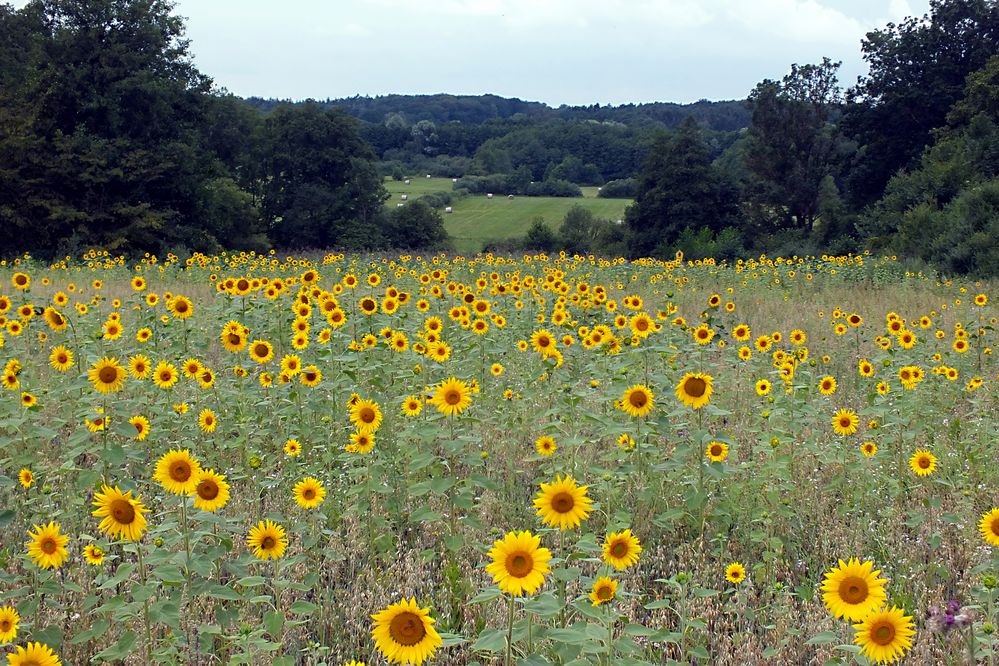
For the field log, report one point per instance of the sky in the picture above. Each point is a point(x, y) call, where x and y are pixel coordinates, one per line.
point(556, 51)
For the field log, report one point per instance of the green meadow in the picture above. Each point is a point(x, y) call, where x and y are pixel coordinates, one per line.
point(477, 219)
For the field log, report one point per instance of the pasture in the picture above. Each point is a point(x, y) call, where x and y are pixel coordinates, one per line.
point(539, 460)
point(477, 220)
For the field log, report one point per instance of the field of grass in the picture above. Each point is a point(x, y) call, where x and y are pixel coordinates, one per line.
point(305, 461)
point(476, 219)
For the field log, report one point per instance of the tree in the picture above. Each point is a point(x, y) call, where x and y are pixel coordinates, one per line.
point(793, 145)
point(416, 226)
point(323, 189)
point(917, 71)
point(577, 230)
point(677, 188)
point(540, 236)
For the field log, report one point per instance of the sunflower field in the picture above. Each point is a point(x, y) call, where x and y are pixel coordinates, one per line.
point(348, 460)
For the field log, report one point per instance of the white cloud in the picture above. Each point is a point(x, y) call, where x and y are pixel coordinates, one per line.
point(796, 20)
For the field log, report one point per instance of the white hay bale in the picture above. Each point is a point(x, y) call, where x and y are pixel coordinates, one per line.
point(405, 197)
point(489, 196)
point(428, 175)
point(399, 205)
point(509, 196)
point(454, 180)
point(407, 181)
point(620, 221)
point(448, 210)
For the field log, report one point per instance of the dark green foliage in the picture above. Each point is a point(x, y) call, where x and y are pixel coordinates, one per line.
point(553, 187)
point(917, 72)
point(323, 187)
point(702, 243)
point(540, 237)
point(577, 231)
point(623, 188)
point(678, 188)
point(793, 145)
point(416, 226)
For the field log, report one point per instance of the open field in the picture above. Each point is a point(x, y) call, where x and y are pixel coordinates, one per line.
point(241, 459)
point(477, 219)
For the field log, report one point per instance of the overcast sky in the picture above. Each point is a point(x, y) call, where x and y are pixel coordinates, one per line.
point(555, 51)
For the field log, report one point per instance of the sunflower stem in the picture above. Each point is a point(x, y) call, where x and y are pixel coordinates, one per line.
point(145, 605)
point(509, 633)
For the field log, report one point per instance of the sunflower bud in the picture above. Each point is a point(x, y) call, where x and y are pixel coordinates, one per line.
point(988, 628)
point(989, 581)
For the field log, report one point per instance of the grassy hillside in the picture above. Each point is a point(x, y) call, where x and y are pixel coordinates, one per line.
point(476, 219)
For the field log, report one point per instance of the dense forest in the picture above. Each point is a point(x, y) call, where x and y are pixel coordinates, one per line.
point(110, 136)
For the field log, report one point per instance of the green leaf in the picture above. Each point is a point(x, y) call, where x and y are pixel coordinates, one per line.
point(491, 640)
point(824, 638)
point(302, 607)
point(119, 650)
point(251, 581)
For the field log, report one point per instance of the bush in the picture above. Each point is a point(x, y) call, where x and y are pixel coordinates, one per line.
point(554, 188)
point(624, 188)
point(416, 226)
point(540, 237)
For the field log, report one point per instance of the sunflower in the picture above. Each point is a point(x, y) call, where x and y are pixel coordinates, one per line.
point(884, 635)
point(735, 573)
point(621, 549)
point(763, 387)
point(47, 547)
point(261, 351)
point(545, 445)
point(211, 492)
point(8, 624)
point(519, 564)
point(642, 325)
point(366, 415)
point(411, 406)
point(694, 390)
point(625, 441)
point(452, 396)
point(181, 307)
point(25, 477)
point(55, 319)
point(922, 463)
point(21, 281)
point(741, 332)
point(852, 590)
point(61, 359)
point(989, 527)
point(94, 554)
point(543, 342)
point(869, 449)
point(107, 376)
point(267, 539)
point(141, 424)
point(361, 442)
point(121, 513)
point(165, 375)
point(637, 401)
point(865, 368)
point(716, 451)
point(177, 472)
point(703, 334)
point(309, 493)
point(292, 448)
point(207, 420)
point(604, 590)
point(33, 654)
point(404, 633)
point(562, 504)
point(845, 422)
point(28, 400)
point(827, 385)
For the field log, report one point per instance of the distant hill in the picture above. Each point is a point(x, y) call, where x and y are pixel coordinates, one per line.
point(726, 116)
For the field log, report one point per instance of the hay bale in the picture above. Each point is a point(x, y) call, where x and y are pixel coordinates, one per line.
point(489, 196)
point(509, 196)
point(405, 197)
point(399, 205)
point(407, 181)
point(448, 210)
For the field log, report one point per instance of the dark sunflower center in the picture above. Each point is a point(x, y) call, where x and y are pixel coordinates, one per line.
point(242, 285)
point(642, 325)
point(260, 350)
point(924, 462)
point(452, 397)
point(309, 493)
point(181, 306)
point(604, 593)
point(619, 549)
point(165, 376)
point(994, 527)
point(122, 511)
point(63, 359)
point(208, 490)
point(695, 387)
point(716, 450)
point(367, 415)
point(57, 319)
point(543, 342)
point(181, 471)
point(519, 564)
point(853, 590)
point(21, 280)
point(407, 629)
point(108, 374)
point(5, 625)
point(638, 399)
point(563, 502)
point(883, 634)
point(268, 543)
point(844, 422)
point(48, 546)
point(311, 376)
